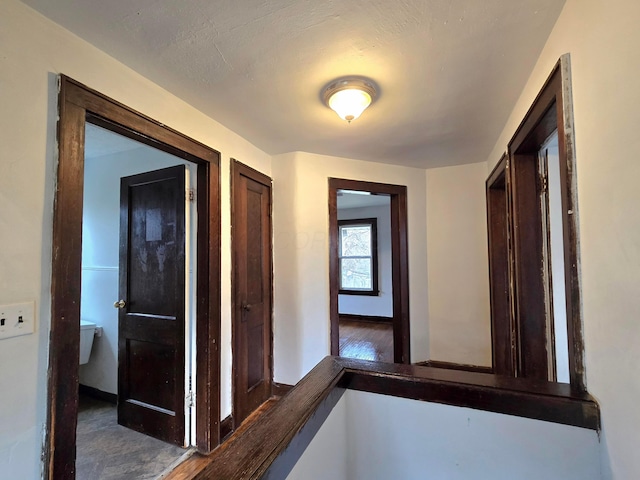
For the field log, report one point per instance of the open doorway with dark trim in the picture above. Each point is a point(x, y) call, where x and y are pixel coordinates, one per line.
point(533, 244)
point(399, 320)
point(77, 106)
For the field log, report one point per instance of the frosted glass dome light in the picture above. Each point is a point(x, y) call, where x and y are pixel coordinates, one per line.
point(349, 97)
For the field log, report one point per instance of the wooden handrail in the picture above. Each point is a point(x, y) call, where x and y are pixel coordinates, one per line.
point(268, 448)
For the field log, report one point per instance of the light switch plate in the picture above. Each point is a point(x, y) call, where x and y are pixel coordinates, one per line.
point(17, 319)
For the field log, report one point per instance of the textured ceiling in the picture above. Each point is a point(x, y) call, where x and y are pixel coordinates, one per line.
point(449, 70)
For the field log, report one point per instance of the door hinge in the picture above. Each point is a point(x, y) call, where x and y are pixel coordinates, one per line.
point(190, 399)
point(544, 182)
point(191, 195)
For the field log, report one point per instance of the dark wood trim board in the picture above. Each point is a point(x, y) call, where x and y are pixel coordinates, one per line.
point(455, 366)
point(226, 427)
point(280, 389)
point(98, 394)
point(77, 105)
point(364, 318)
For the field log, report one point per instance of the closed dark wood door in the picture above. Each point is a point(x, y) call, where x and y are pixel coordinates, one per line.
point(252, 298)
point(151, 323)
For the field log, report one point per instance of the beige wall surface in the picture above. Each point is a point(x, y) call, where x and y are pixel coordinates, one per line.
point(301, 255)
point(459, 317)
point(603, 38)
point(33, 50)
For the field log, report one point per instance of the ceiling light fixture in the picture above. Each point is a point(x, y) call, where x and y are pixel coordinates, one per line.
point(349, 96)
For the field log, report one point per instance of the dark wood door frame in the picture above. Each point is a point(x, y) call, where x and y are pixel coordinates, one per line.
point(239, 169)
point(552, 109)
point(399, 261)
point(503, 332)
point(79, 104)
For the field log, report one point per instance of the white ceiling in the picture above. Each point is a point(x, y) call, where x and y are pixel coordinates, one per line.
point(347, 200)
point(99, 141)
point(449, 71)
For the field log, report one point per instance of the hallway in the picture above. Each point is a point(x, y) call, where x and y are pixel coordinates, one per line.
point(366, 340)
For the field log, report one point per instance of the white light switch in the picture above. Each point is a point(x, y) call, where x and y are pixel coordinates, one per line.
point(17, 319)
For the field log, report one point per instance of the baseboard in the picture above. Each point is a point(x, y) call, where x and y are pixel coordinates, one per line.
point(364, 318)
point(98, 394)
point(280, 389)
point(226, 427)
point(455, 366)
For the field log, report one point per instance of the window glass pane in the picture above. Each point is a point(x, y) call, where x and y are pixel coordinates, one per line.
point(356, 273)
point(356, 241)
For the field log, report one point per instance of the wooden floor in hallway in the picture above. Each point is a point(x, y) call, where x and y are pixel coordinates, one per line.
point(366, 340)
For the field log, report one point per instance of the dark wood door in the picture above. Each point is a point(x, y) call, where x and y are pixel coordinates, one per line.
point(151, 324)
point(252, 290)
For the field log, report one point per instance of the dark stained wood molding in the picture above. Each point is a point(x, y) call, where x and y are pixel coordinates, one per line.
point(77, 105)
point(399, 262)
point(455, 366)
point(364, 318)
point(503, 337)
point(280, 389)
point(98, 394)
point(226, 427)
point(269, 446)
point(554, 107)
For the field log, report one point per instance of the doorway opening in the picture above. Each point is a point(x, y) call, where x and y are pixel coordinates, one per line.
point(156, 334)
point(369, 296)
point(533, 244)
point(138, 278)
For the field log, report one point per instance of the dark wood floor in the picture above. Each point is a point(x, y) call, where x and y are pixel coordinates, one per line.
point(366, 340)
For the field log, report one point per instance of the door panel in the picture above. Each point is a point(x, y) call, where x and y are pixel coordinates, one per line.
point(252, 338)
point(151, 352)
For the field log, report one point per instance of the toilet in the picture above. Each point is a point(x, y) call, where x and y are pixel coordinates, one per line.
point(87, 332)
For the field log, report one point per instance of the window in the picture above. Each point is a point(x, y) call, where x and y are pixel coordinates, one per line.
point(358, 255)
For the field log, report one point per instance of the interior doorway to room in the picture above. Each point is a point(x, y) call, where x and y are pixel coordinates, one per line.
point(161, 274)
point(252, 295)
point(533, 244)
point(368, 271)
point(138, 251)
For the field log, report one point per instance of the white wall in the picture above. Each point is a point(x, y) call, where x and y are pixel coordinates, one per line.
point(603, 38)
point(459, 316)
point(301, 255)
point(33, 51)
point(382, 304)
point(100, 253)
point(326, 457)
point(392, 437)
point(379, 437)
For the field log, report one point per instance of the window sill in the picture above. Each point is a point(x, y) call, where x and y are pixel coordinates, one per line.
point(372, 293)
